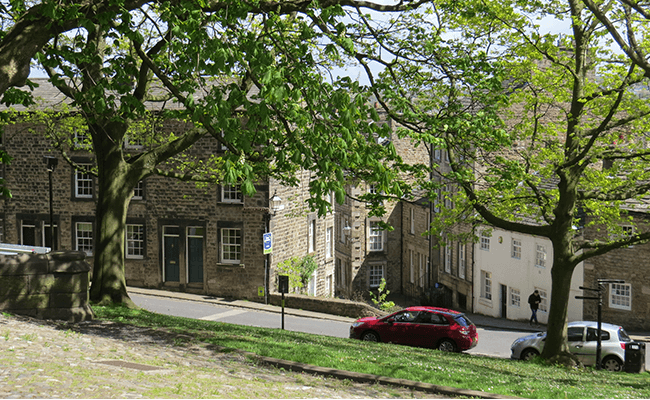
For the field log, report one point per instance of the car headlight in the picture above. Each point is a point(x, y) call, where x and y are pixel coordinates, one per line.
point(356, 324)
point(516, 342)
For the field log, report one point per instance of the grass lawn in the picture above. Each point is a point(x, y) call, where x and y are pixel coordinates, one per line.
point(502, 376)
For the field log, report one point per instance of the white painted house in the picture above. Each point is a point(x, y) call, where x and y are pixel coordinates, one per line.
point(509, 266)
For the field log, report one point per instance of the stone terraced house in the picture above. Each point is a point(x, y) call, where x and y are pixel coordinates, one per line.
point(412, 263)
point(179, 237)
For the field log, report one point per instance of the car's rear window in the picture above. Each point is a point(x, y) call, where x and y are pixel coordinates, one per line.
point(622, 336)
point(463, 320)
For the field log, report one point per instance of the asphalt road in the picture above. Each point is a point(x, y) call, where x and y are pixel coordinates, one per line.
point(492, 342)
point(240, 316)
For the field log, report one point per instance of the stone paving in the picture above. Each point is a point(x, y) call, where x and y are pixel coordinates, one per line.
point(100, 359)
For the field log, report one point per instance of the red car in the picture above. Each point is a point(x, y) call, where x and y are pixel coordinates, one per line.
point(432, 327)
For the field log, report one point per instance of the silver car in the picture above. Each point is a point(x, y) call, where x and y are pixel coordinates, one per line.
point(583, 339)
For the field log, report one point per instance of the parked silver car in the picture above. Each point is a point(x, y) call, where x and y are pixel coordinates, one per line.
point(583, 339)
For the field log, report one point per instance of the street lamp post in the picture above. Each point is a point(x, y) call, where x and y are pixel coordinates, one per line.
point(275, 205)
point(51, 163)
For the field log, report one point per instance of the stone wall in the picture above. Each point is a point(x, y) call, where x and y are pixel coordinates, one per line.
point(166, 204)
point(344, 308)
point(629, 264)
point(46, 286)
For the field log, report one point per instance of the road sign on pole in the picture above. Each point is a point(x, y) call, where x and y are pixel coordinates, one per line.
point(268, 243)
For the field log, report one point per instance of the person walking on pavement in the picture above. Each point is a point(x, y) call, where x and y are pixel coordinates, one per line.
point(534, 299)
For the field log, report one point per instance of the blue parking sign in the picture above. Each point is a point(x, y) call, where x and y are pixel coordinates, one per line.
point(268, 243)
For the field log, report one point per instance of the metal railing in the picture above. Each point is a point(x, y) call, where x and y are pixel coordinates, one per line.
point(13, 249)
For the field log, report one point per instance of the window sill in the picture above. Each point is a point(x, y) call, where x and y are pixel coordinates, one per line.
point(485, 302)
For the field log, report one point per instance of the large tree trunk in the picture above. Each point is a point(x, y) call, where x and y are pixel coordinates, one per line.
point(556, 347)
point(114, 195)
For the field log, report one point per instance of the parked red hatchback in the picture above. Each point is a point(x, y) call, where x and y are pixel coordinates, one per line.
point(431, 327)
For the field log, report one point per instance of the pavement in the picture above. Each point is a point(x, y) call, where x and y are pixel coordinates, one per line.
point(482, 321)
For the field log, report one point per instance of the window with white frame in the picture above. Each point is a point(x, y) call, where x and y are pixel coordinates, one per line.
point(449, 204)
point(132, 142)
point(376, 274)
point(628, 232)
point(343, 231)
point(485, 241)
point(134, 241)
point(328, 242)
point(516, 249)
point(448, 253)
point(486, 285)
point(461, 260)
point(138, 191)
point(84, 237)
point(540, 256)
point(620, 296)
point(437, 200)
point(83, 182)
point(375, 236)
point(330, 199)
point(436, 154)
point(543, 305)
point(515, 297)
point(231, 244)
point(231, 194)
point(412, 215)
point(82, 140)
point(311, 236)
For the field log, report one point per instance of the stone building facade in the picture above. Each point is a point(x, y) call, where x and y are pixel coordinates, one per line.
point(626, 303)
point(411, 262)
point(365, 253)
point(179, 236)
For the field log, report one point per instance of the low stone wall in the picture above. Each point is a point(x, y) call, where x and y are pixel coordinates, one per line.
point(46, 286)
point(345, 308)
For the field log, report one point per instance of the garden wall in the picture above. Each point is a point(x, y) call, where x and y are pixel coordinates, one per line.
point(46, 286)
point(345, 308)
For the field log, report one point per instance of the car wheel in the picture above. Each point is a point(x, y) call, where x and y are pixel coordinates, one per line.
point(528, 354)
point(370, 336)
point(612, 364)
point(447, 345)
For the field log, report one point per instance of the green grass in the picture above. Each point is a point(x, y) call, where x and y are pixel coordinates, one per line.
point(502, 376)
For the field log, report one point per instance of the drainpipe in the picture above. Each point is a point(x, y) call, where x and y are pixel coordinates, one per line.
point(431, 210)
point(401, 272)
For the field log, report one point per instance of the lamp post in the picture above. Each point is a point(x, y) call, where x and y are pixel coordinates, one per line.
point(275, 205)
point(51, 163)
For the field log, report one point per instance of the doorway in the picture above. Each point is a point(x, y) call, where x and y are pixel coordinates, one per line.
point(195, 235)
point(504, 301)
point(171, 254)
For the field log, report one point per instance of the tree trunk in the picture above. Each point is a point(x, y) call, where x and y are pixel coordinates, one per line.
point(113, 198)
point(556, 347)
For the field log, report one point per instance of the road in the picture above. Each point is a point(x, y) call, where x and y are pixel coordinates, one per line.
point(492, 342)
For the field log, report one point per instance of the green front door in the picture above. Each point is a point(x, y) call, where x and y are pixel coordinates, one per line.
point(195, 254)
point(171, 252)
